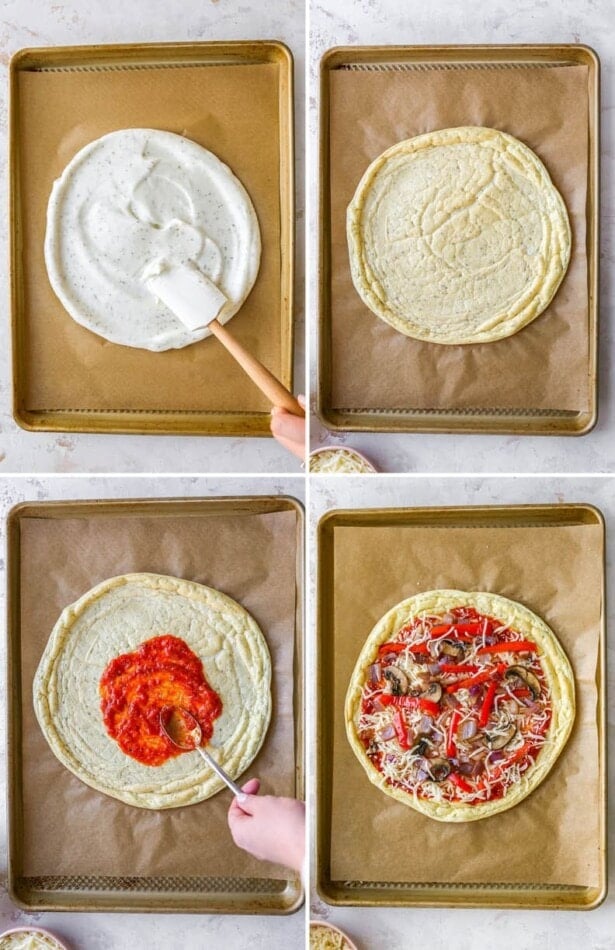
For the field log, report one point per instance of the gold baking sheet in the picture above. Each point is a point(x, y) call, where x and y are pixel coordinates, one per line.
point(235, 98)
point(542, 380)
point(72, 847)
point(538, 854)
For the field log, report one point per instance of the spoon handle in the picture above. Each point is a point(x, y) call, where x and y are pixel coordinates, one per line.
point(235, 789)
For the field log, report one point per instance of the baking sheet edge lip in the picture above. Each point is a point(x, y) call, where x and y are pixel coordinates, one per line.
point(16, 58)
point(59, 421)
point(333, 51)
point(335, 513)
point(328, 415)
point(330, 894)
point(117, 905)
point(21, 508)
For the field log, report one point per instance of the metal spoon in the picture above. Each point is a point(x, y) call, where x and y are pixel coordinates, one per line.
point(184, 731)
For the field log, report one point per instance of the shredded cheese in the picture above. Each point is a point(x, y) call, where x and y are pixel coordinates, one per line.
point(499, 769)
point(339, 461)
point(324, 938)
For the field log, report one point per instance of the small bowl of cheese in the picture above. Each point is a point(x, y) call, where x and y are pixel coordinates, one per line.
point(325, 936)
point(339, 460)
point(30, 938)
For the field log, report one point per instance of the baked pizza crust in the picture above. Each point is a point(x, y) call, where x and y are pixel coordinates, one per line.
point(115, 617)
point(458, 236)
point(555, 664)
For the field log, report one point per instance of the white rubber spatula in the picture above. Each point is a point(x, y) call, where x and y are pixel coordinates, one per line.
point(197, 301)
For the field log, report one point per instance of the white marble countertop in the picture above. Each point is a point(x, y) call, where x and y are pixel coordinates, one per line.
point(447, 929)
point(74, 22)
point(413, 22)
point(152, 931)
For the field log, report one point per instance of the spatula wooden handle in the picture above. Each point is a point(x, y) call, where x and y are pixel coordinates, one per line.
point(273, 389)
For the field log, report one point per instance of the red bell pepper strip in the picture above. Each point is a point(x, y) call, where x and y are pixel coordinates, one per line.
point(485, 709)
point(513, 646)
point(459, 668)
point(525, 748)
point(401, 729)
point(388, 648)
point(391, 648)
point(460, 631)
point(460, 782)
point(476, 680)
point(521, 693)
point(451, 747)
point(410, 702)
point(471, 681)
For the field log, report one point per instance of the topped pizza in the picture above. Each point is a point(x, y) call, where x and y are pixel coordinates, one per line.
point(460, 703)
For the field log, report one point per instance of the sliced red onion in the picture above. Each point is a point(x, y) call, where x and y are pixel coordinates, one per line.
point(468, 729)
point(387, 733)
point(434, 668)
point(378, 704)
point(477, 768)
point(425, 725)
point(475, 690)
point(422, 775)
point(466, 768)
point(375, 673)
point(496, 756)
point(449, 701)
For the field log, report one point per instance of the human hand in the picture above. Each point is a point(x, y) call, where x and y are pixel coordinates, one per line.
point(289, 430)
point(269, 827)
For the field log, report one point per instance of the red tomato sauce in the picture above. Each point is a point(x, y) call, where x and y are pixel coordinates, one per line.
point(136, 686)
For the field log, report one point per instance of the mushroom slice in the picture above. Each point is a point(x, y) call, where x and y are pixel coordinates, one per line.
point(451, 648)
point(397, 680)
point(433, 692)
point(421, 746)
point(439, 769)
point(498, 740)
point(526, 676)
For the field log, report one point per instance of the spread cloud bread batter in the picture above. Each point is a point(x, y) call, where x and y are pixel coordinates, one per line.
point(95, 634)
point(127, 202)
point(458, 236)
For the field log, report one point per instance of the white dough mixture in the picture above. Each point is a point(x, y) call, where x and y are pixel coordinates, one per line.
point(132, 199)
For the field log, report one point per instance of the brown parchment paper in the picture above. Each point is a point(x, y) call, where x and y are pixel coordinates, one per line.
point(545, 365)
point(71, 829)
point(233, 110)
point(552, 837)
